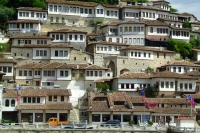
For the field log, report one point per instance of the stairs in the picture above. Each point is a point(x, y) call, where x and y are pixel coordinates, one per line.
point(74, 115)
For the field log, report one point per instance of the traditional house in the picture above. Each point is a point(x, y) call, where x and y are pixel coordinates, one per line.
point(32, 13)
point(187, 17)
point(167, 83)
point(102, 49)
point(36, 105)
point(7, 67)
point(24, 27)
point(80, 14)
point(76, 38)
point(180, 67)
point(180, 33)
point(78, 77)
point(118, 105)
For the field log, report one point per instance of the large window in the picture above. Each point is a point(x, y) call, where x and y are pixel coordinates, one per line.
point(38, 117)
point(49, 73)
point(162, 84)
point(61, 53)
point(96, 118)
point(7, 103)
point(63, 73)
point(41, 53)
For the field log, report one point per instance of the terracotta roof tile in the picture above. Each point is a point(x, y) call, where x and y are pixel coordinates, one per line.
point(145, 7)
point(31, 9)
point(168, 74)
point(155, 23)
point(95, 67)
point(25, 21)
point(144, 48)
point(108, 43)
point(114, 23)
point(195, 96)
point(67, 31)
point(79, 3)
point(184, 118)
point(193, 73)
point(195, 31)
point(93, 34)
point(31, 37)
point(130, 22)
point(171, 20)
point(178, 28)
point(37, 92)
point(43, 46)
point(183, 63)
point(47, 106)
point(133, 75)
point(7, 61)
point(181, 111)
point(52, 65)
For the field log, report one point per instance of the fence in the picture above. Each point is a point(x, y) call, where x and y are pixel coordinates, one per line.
point(104, 127)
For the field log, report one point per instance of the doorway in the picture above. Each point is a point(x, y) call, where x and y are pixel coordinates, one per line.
point(37, 83)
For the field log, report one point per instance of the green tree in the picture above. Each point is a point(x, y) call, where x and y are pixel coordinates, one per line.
point(6, 14)
point(102, 87)
point(2, 48)
point(194, 42)
point(149, 69)
point(186, 24)
point(151, 91)
point(172, 45)
point(173, 9)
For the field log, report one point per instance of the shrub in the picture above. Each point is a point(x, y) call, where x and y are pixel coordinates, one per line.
point(150, 123)
point(131, 122)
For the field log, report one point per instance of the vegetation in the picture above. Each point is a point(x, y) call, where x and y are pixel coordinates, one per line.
point(96, 23)
point(149, 69)
point(182, 47)
point(194, 42)
point(150, 123)
point(102, 87)
point(173, 9)
point(186, 24)
point(131, 122)
point(151, 91)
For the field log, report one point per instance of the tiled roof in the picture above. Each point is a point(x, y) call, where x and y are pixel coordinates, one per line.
point(7, 61)
point(186, 14)
point(130, 22)
point(144, 48)
point(47, 106)
point(184, 118)
point(182, 111)
point(178, 28)
point(78, 3)
point(102, 80)
point(195, 96)
point(196, 31)
point(31, 37)
point(193, 73)
point(108, 43)
point(155, 23)
point(112, 23)
point(197, 62)
point(58, 65)
point(37, 92)
point(67, 31)
point(31, 9)
point(93, 34)
point(110, 6)
point(25, 21)
point(182, 63)
point(172, 20)
point(133, 75)
point(43, 46)
point(145, 7)
point(168, 74)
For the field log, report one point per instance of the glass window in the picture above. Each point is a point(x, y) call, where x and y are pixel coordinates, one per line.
point(167, 84)
point(7, 103)
point(38, 117)
point(190, 86)
point(171, 84)
point(186, 86)
point(12, 103)
point(126, 118)
point(105, 117)
point(62, 99)
point(96, 118)
point(181, 85)
point(162, 84)
point(81, 37)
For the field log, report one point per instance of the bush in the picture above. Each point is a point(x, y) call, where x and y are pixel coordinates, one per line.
point(131, 122)
point(150, 123)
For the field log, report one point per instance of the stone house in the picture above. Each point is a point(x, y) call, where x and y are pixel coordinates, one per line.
point(119, 105)
point(168, 83)
point(36, 105)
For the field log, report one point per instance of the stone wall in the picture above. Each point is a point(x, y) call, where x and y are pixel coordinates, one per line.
point(50, 27)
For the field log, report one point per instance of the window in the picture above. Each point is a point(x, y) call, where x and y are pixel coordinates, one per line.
point(90, 11)
point(157, 55)
point(149, 55)
point(38, 100)
point(130, 29)
point(50, 73)
point(190, 86)
point(62, 99)
point(75, 37)
point(70, 37)
point(63, 73)
point(7, 103)
point(30, 73)
point(25, 73)
point(179, 69)
point(24, 99)
point(55, 8)
point(135, 54)
point(186, 86)
point(167, 84)
point(109, 48)
point(144, 54)
point(162, 84)
point(100, 73)
point(96, 73)
point(41, 53)
point(29, 99)
point(81, 37)
point(55, 99)
point(181, 86)
point(96, 118)
point(151, 29)
point(171, 84)
point(12, 103)
point(174, 69)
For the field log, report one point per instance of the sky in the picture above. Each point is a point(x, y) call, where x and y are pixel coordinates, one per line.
point(189, 6)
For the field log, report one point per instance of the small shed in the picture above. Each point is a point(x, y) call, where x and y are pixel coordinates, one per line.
point(185, 122)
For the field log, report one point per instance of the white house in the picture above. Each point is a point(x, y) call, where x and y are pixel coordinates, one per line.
point(180, 33)
point(77, 77)
point(167, 82)
point(185, 122)
point(195, 26)
point(180, 67)
point(189, 17)
point(79, 14)
point(7, 66)
point(76, 38)
point(24, 27)
point(36, 105)
point(32, 13)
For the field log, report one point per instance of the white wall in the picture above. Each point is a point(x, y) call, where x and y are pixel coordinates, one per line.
point(60, 57)
point(63, 77)
point(33, 41)
point(8, 65)
point(43, 17)
point(141, 54)
point(41, 57)
point(187, 123)
point(114, 49)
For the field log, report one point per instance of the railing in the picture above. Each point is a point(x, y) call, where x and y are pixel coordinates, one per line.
point(99, 127)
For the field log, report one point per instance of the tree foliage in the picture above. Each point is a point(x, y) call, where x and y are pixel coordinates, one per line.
point(186, 24)
point(151, 91)
point(194, 42)
point(173, 9)
point(102, 87)
point(182, 47)
point(149, 69)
